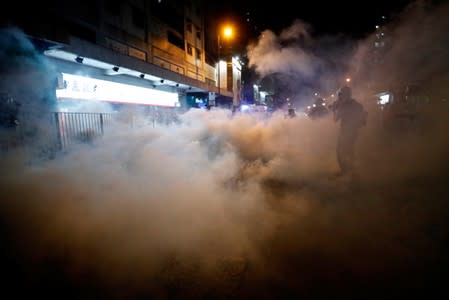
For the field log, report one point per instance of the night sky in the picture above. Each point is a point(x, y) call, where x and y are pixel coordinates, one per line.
point(355, 19)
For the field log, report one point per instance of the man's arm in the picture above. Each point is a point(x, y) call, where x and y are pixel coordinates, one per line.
point(334, 108)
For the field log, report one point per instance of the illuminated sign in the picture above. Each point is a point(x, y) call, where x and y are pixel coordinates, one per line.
point(85, 88)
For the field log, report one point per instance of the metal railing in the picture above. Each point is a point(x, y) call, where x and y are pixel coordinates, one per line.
point(75, 127)
point(58, 131)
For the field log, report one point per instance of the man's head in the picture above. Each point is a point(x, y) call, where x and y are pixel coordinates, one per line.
point(345, 93)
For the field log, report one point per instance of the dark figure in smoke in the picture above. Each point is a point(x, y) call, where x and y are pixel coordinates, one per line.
point(291, 113)
point(351, 116)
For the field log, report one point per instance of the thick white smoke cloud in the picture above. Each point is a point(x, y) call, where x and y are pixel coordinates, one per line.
point(208, 203)
point(136, 198)
point(25, 73)
point(302, 64)
point(230, 207)
point(28, 79)
point(289, 65)
point(270, 56)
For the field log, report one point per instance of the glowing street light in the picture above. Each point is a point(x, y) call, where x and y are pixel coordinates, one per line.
point(227, 32)
point(348, 79)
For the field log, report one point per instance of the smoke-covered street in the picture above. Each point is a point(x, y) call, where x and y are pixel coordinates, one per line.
point(234, 206)
point(217, 207)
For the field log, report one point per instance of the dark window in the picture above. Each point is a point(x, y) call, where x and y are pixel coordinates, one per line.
point(86, 11)
point(175, 40)
point(168, 14)
point(198, 34)
point(198, 53)
point(189, 25)
point(138, 18)
point(210, 60)
point(189, 49)
point(82, 32)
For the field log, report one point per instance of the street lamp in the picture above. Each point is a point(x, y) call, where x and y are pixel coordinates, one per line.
point(227, 32)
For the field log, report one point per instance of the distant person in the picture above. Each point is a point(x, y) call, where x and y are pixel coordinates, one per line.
point(291, 113)
point(352, 116)
point(318, 109)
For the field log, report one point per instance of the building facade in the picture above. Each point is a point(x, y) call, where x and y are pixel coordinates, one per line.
point(153, 45)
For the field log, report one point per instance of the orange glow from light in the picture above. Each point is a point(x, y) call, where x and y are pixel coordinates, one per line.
point(228, 32)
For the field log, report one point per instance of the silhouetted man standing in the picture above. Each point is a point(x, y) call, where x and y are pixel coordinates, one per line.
point(351, 116)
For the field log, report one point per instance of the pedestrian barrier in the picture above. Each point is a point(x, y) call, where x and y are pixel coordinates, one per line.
point(76, 127)
point(56, 131)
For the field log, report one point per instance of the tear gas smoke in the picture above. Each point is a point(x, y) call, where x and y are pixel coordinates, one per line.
point(217, 207)
point(27, 79)
point(299, 64)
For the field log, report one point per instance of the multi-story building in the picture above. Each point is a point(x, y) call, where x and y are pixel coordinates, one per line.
point(151, 48)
